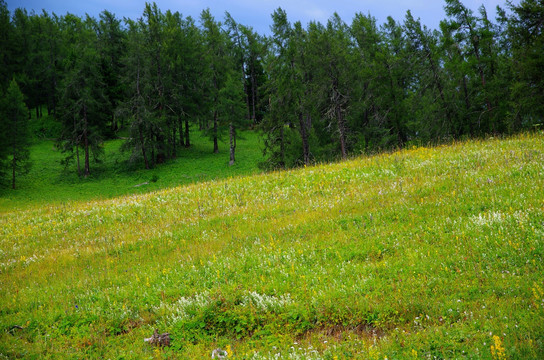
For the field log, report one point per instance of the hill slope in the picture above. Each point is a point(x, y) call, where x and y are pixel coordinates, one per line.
point(49, 183)
point(423, 253)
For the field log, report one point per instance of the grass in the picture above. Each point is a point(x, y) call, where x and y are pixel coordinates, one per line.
point(426, 253)
point(48, 183)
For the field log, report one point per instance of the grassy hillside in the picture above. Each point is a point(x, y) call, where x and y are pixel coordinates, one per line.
point(426, 253)
point(49, 183)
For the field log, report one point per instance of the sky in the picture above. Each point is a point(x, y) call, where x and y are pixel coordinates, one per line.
point(257, 13)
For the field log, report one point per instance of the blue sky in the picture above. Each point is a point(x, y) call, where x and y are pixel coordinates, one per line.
point(256, 13)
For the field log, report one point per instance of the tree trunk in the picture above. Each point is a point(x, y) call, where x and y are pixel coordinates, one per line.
point(138, 119)
point(173, 155)
point(438, 84)
point(142, 145)
point(77, 159)
point(187, 141)
point(342, 130)
point(113, 123)
point(215, 130)
point(282, 148)
point(14, 150)
point(86, 141)
point(180, 129)
point(253, 96)
point(304, 136)
point(232, 143)
point(14, 165)
point(467, 105)
point(340, 119)
point(78, 139)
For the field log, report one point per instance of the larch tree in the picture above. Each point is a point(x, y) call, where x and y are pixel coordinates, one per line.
point(7, 45)
point(429, 85)
point(525, 32)
point(275, 124)
point(152, 25)
point(82, 97)
point(217, 45)
point(15, 141)
point(134, 107)
point(111, 49)
point(231, 108)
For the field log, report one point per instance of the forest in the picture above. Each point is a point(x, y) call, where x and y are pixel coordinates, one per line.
point(313, 93)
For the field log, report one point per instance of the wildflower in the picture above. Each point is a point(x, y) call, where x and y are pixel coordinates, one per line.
point(497, 349)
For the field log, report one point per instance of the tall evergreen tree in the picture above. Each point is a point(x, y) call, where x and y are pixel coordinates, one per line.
point(111, 48)
point(7, 45)
point(82, 99)
point(525, 31)
point(431, 101)
point(135, 107)
point(337, 77)
point(192, 88)
point(275, 123)
point(219, 65)
point(231, 109)
point(15, 141)
point(370, 115)
point(469, 37)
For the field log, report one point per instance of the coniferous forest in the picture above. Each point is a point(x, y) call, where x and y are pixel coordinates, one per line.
point(314, 93)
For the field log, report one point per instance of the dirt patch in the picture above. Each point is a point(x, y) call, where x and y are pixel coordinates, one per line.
point(340, 332)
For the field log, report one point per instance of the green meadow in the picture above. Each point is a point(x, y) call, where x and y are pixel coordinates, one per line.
point(423, 253)
point(49, 182)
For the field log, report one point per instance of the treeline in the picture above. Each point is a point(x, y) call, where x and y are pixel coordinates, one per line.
point(315, 93)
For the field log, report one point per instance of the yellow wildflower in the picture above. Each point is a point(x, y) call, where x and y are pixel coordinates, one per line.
point(497, 349)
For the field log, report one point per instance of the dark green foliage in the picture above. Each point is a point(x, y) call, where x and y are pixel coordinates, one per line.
point(7, 59)
point(317, 93)
point(112, 49)
point(82, 97)
point(15, 138)
point(219, 64)
point(231, 109)
point(525, 30)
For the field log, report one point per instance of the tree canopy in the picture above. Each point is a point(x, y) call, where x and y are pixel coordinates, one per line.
point(318, 92)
